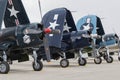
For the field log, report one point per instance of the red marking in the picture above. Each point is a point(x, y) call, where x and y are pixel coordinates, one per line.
point(17, 22)
point(47, 30)
point(10, 2)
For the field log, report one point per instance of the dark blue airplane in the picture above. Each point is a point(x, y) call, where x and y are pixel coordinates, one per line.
point(70, 41)
point(20, 38)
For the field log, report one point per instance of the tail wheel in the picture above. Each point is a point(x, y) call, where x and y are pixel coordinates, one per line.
point(82, 62)
point(4, 67)
point(37, 66)
point(98, 60)
point(109, 59)
point(64, 63)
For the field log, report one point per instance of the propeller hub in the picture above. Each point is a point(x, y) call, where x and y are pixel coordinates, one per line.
point(47, 30)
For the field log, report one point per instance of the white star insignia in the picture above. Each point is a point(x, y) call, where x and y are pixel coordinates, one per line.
point(53, 25)
point(66, 28)
point(87, 27)
point(13, 12)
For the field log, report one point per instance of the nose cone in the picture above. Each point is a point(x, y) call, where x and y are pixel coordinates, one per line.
point(47, 30)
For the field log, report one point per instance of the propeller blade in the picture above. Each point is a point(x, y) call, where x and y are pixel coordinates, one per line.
point(47, 50)
point(46, 44)
point(56, 31)
point(32, 31)
point(50, 31)
point(40, 8)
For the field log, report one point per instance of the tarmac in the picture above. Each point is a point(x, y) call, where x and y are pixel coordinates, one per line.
point(53, 71)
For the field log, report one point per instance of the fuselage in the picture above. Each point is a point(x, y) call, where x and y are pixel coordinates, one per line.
point(20, 37)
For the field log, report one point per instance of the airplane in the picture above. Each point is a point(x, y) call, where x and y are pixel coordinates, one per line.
point(105, 42)
point(20, 38)
point(72, 41)
point(109, 45)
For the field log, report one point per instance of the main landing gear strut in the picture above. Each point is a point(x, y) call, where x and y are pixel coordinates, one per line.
point(37, 64)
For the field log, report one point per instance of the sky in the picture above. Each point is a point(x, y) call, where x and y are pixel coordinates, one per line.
point(107, 10)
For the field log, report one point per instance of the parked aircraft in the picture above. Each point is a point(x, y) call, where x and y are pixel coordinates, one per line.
point(72, 40)
point(20, 38)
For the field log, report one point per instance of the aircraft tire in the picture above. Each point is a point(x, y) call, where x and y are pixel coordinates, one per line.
point(4, 67)
point(82, 62)
point(37, 67)
point(119, 58)
point(64, 63)
point(98, 60)
point(109, 60)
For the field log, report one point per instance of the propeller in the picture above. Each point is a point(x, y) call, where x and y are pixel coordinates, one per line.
point(45, 40)
point(40, 9)
point(46, 44)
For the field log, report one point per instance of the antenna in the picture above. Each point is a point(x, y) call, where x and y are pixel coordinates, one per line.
point(40, 9)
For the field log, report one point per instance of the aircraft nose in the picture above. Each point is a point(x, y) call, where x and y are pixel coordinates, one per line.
point(47, 30)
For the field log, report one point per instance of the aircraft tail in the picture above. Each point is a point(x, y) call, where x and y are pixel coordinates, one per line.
point(93, 24)
point(15, 14)
point(3, 4)
point(100, 30)
point(69, 25)
point(61, 19)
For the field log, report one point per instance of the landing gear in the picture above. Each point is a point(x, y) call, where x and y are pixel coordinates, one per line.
point(82, 61)
point(119, 55)
point(109, 59)
point(4, 67)
point(98, 60)
point(64, 63)
point(37, 64)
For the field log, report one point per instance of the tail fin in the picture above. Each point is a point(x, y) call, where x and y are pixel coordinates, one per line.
point(59, 18)
point(54, 19)
point(93, 24)
point(69, 25)
point(3, 4)
point(100, 30)
point(15, 14)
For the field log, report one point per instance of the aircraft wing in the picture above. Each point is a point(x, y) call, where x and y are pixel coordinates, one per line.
point(3, 4)
point(54, 19)
point(15, 14)
point(69, 24)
